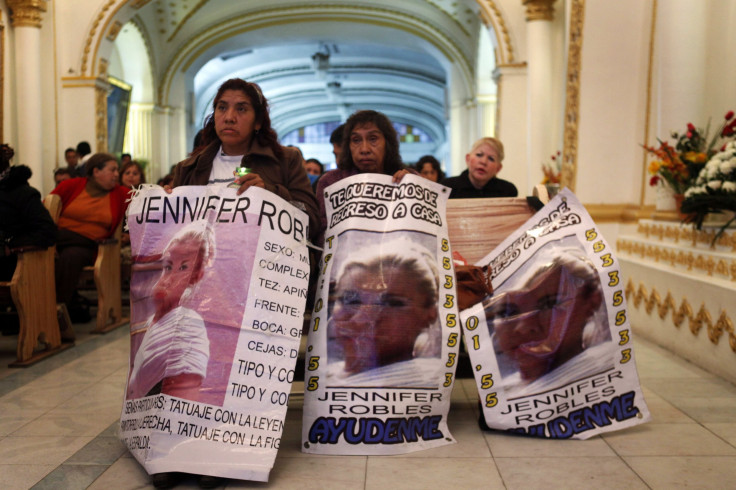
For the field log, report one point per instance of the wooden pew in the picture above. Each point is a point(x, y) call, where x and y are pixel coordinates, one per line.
point(107, 279)
point(33, 293)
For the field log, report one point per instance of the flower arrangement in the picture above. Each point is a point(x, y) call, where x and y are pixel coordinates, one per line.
point(552, 170)
point(678, 166)
point(714, 189)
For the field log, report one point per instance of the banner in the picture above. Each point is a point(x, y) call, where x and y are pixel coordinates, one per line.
point(552, 347)
point(384, 335)
point(218, 291)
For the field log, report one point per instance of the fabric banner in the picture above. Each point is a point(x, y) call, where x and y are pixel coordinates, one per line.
point(384, 335)
point(218, 292)
point(552, 348)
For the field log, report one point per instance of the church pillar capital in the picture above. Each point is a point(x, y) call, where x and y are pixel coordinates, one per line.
point(539, 9)
point(26, 13)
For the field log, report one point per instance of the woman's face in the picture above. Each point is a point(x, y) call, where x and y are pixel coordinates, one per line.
point(377, 318)
point(131, 176)
point(368, 148)
point(108, 177)
point(428, 172)
point(182, 268)
point(533, 324)
point(235, 122)
point(483, 164)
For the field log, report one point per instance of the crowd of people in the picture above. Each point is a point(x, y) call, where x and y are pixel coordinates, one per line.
point(95, 188)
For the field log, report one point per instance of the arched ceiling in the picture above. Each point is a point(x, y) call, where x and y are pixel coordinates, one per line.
point(401, 58)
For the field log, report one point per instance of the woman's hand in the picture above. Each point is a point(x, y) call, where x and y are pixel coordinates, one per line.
point(400, 175)
point(168, 189)
point(249, 180)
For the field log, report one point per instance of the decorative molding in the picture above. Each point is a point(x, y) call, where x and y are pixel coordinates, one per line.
point(26, 13)
point(186, 18)
point(114, 30)
point(491, 15)
point(91, 34)
point(539, 10)
point(677, 233)
point(572, 102)
point(696, 322)
point(102, 67)
point(711, 265)
point(136, 4)
point(101, 89)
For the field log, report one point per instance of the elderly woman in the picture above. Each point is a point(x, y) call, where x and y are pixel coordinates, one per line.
point(92, 207)
point(385, 319)
point(545, 332)
point(238, 134)
point(479, 180)
point(369, 145)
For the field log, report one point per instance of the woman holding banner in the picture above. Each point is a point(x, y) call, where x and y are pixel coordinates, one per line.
point(239, 134)
point(385, 320)
point(369, 145)
point(547, 331)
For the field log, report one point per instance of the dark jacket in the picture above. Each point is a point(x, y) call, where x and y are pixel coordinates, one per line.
point(286, 178)
point(24, 221)
point(462, 188)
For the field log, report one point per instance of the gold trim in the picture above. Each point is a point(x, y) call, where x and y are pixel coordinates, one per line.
point(677, 233)
point(92, 32)
point(724, 324)
point(491, 14)
point(539, 10)
point(185, 19)
point(114, 30)
point(26, 13)
point(648, 115)
point(572, 102)
point(101, 89)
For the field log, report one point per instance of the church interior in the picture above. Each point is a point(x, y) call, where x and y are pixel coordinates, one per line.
point(579, 91)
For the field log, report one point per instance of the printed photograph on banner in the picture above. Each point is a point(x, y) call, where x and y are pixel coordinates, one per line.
point(184, 329)
point(548, 322)
point(383, 328)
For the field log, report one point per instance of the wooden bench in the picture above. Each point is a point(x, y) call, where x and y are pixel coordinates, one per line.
point(107, 280)
point(32, 291)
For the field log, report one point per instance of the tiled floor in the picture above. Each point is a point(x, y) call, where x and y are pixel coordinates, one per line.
point(58, 426)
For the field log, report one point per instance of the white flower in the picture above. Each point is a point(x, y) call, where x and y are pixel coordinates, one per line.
point(727, 166)
point(695, 190)
point(729, 186)
point(715, 184)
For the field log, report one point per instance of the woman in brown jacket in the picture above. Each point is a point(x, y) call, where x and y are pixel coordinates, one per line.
point(238, 134)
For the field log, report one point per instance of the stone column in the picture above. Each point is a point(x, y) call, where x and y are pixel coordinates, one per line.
point(539, 14)
point(26, 21)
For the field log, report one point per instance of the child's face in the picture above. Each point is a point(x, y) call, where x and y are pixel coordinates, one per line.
point(182, 268)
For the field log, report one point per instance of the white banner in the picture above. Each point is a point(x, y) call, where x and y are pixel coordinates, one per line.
point(218, 293)
point(384, 335)
point(552, 348)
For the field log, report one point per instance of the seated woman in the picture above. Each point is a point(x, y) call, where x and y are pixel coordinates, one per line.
point(369, 145)
point(546, 333)
point(92, 208)
point(238, 134)
point(429, 168)
point(131, 174)
point(24, 221)
point(385, 320)
point(173, 355)
point(479, 180)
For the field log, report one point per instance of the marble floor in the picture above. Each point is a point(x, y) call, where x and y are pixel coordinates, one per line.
point(58, 431)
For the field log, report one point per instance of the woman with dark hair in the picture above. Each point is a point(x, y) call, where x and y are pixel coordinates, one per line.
point(238, 134)
point(429, 168)
point(369, 145)
point(92, 207)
